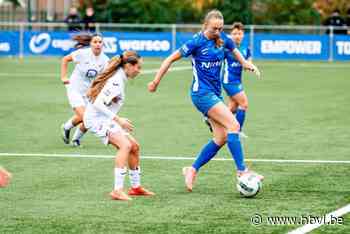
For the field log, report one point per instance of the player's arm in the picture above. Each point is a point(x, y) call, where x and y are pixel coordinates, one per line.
point(64, 68)
point(152, 86)
point(229, 44)
point(249, 56)
point(246, 64)
point(103, 100)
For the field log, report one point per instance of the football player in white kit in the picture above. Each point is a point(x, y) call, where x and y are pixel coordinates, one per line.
point(106, 96)
point(90, 61)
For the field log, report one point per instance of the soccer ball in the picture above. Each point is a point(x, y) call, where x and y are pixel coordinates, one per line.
point(248, 185)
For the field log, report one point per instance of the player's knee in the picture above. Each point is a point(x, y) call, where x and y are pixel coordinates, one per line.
point(126, 147)
point(244, 106)
point(233, 108)
point(220, 140)
point(135, 148)
point(234, 127)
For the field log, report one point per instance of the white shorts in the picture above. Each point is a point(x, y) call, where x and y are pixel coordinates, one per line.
point(76, 99)
point(102, 129)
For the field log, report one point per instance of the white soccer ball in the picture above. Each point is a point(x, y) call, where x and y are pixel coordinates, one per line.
point(248, 185)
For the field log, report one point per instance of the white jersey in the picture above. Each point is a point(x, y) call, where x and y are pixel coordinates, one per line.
point(98, 116)
point(87, 67)
point(109, 101)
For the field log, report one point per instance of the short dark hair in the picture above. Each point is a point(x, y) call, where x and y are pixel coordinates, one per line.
point(237, 25)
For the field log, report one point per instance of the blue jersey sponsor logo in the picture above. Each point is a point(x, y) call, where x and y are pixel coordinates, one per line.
point(209, 65)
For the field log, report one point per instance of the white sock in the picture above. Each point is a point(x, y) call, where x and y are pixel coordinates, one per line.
point(135, 177)
point(78, 134)
point(119, 175)
point(68, 125)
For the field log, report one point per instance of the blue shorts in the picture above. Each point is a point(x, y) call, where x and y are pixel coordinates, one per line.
point(232, 89)
point(205, 102)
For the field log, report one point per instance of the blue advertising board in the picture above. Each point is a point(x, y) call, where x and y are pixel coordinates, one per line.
point(159, 44)
point(341, 47)
point(291, 46)
point(9, 43)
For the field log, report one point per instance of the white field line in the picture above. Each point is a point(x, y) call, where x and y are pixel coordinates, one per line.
point(37, 74)
point(168, 158)
point(328, 218)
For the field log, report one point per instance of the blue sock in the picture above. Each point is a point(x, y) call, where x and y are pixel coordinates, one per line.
point(207, 153)
point(235, 147)
point(240, 116)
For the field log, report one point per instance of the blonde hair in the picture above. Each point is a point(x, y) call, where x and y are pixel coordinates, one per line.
point(213, 14)
point(114, 64)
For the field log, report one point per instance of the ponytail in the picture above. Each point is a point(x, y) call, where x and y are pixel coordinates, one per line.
point(114, 64)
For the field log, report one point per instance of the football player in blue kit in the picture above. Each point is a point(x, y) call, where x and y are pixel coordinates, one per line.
point(207, 51)
point(232, 77)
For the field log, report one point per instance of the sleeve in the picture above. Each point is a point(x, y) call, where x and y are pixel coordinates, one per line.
point(189, 47)
point(249, 53)
point(77, 55)
point(105, 98)
point(228, 42)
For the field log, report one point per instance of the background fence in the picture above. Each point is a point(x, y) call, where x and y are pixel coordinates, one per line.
point(267, 42)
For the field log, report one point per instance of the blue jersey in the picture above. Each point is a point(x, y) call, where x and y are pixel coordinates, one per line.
point(206, 62)
point(233, 69)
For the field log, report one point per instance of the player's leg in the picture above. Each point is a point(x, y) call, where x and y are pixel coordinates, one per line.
point(241, 100)
point(206, 154)
point(238, 101)
point(121, 142)
point(224, 116)
point(212, 147)
point(66, 128)
point(204, 103)
point(135, 170)
point(81, 130)
point(78, 103)
point(221, 114)
point(232, 105)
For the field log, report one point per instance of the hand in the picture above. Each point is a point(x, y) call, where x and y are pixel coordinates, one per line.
point(251, 67)
point(125, 123)
point(152, 86)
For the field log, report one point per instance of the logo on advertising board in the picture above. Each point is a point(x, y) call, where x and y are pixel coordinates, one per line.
point(343, 47)
point(145, 45)
point(39, 43)
point(110, 45)
point(290, 47)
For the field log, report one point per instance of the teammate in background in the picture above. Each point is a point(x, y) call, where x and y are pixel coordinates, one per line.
point(207, 51)
point(107, 95)
point(90, 61)
point(5, 177)
point(232, 78)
